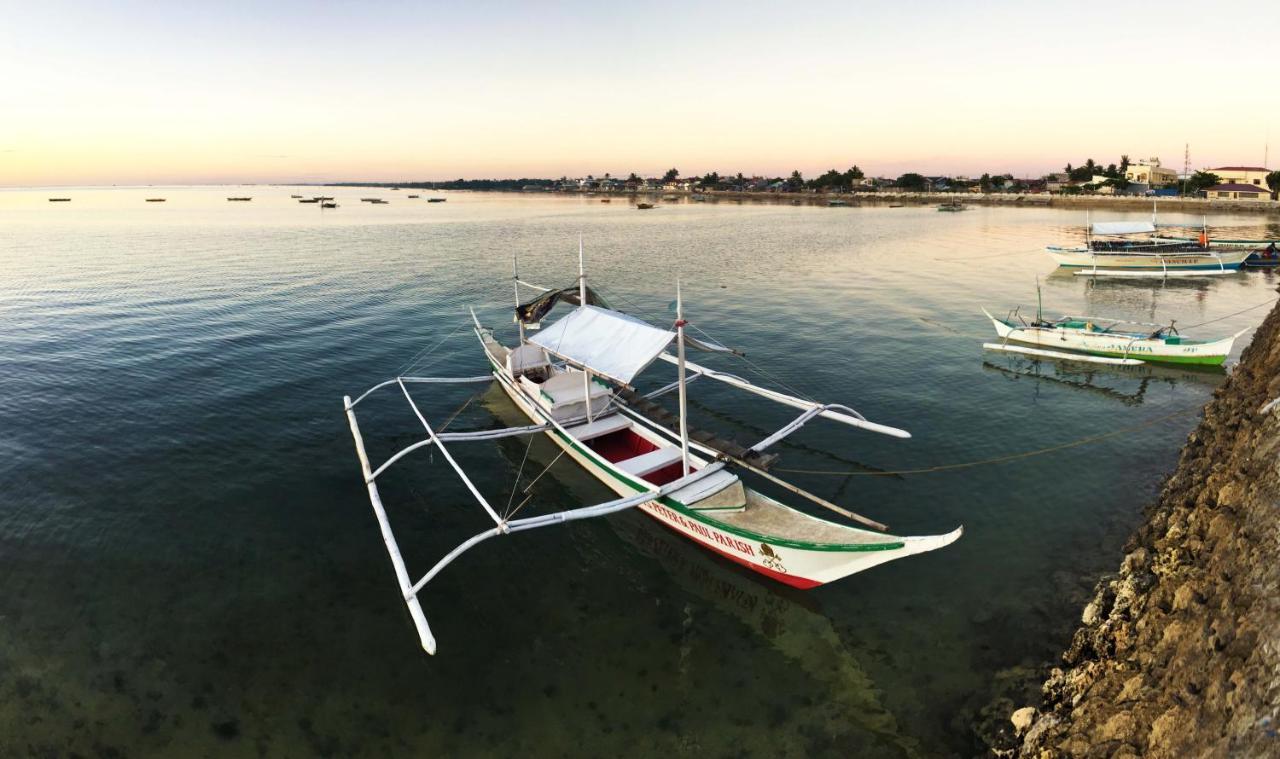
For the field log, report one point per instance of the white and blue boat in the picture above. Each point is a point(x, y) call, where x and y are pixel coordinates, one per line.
point(1118, 253)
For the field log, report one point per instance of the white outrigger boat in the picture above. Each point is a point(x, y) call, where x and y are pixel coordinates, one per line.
point(1111, 341)
point(686, 481)
point(1122, 256)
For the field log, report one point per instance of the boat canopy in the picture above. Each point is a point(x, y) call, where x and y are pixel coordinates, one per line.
point(608, 343)
point(1123, 227)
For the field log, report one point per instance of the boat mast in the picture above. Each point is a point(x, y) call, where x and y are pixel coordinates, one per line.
point(582, 303)
point(684, 423)
point(515, 270)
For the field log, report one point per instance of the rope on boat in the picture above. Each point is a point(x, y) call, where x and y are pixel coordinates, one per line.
point(997, 459)
point(417, 357)
point(509, 512)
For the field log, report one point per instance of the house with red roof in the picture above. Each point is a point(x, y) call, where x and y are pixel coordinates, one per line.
point(1235, 191)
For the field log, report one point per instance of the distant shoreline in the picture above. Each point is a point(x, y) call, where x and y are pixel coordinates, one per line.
point(1126, 203)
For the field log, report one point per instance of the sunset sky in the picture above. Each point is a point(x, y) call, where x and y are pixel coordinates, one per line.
point(147, 92)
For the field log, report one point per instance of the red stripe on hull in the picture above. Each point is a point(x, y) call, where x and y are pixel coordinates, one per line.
point(794, 581)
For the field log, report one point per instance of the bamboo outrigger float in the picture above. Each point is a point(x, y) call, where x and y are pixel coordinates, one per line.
point(679, 478)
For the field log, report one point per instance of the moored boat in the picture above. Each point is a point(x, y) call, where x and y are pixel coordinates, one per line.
point(436, 200)
point(59, 200)
point(155, 200)
point(644, 206)
point(573, 382)
point(1117, 253)
point(242, 200)
point(1118, 340)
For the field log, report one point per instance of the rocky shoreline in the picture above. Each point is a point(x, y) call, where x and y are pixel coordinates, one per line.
point(1178, 654)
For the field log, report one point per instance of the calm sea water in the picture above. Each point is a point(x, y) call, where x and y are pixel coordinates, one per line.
point(190, 566)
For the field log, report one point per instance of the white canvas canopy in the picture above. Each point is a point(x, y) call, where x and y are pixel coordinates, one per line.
point(608, 343)
point(1123, 227)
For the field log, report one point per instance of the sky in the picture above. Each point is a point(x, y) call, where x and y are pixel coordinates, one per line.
point(130, 92)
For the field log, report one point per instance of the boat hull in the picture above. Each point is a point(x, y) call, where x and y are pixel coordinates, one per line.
point(1082, 258)
point(1117, 345)
point(796, 563)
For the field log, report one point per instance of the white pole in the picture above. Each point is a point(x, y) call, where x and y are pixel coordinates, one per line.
point(582, 303)
point(515, 284)
point(684, 423)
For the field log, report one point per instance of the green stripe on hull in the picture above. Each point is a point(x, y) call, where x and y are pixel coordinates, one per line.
point(696, 516)
point(1197, 360)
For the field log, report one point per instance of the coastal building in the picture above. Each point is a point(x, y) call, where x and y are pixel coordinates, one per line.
point(1151, 173)
point(1235, 191)
point(1057, 182)
point(1253, 175)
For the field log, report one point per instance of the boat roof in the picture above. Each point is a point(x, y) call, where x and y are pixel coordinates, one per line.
point(607, 342)
point(1122, 227)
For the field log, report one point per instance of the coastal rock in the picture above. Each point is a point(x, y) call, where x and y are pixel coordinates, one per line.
point(1177, 653)
point(1022, 718)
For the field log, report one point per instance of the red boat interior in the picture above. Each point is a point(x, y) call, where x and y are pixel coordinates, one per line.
point(626, 444)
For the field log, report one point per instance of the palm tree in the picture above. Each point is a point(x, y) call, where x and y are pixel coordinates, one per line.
point(1273, 181)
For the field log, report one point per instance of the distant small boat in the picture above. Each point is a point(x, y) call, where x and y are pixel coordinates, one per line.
point(895, 205)
point(155, 200)
point(395, 188)
point(309, 200)
point(952, 206)
point(240, 199)
point(368, 200)
point(605, 200)
point(644, 206)
point(295, 196)
point(837, 203)
point(328, 205)
point(413, 196)
point(321, 197)
point(436, 200)
point(377, 202)
point(59, 200)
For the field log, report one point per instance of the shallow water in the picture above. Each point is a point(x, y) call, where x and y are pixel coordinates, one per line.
point(189, 561)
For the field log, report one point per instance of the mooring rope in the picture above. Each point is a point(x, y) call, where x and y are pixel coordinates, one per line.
point(997, 459)
point(1236, 313)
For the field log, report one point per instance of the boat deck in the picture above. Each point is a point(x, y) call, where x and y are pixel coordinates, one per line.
point(768, 517)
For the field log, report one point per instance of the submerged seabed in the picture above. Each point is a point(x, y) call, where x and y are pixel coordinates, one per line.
point(189, 562)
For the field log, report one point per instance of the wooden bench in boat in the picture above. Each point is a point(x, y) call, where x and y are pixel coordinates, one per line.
point(719, 491)
point(647, 463)
point(599, 428)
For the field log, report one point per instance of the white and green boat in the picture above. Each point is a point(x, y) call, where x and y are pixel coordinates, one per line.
point(1114, 341)
point(573, 382)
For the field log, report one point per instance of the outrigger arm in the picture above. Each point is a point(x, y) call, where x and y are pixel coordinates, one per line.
point(834, 412)
point(408, 589)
